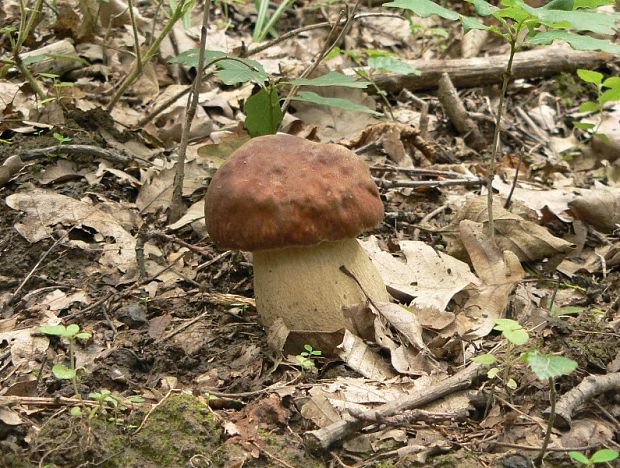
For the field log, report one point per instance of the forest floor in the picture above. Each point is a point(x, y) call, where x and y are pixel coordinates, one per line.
point(173, 366)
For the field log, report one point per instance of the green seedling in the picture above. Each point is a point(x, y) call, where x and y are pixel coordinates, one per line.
point(306, 358)
point(600, 456)
point(72, 333)
point(515, 335)
point(547, 367)
point(61, 138)
point(608, 90)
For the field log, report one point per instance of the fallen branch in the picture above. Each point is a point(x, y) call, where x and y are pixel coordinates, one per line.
point(588, 388)
point(480, 71)
point(322, 439)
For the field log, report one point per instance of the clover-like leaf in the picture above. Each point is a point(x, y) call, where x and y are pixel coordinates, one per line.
point(548, 366)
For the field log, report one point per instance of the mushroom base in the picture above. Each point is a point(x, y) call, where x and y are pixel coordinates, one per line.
point(305, 287)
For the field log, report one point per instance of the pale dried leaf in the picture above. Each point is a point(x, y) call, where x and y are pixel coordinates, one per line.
point(527, 240)
point(361, 358)
point(599, 208)
point(45, 209)
point(499, 272)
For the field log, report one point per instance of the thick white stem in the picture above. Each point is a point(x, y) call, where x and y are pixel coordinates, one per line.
point(305, 287)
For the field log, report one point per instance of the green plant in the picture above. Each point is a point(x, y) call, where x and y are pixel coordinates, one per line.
point(264, 24)
point(57, 86)
point(519, 24)
point(306, 358)
point(263, 111)
point(600, 456)
point(547, 367)
point(515, 335)
point(72, 333)
point(60, 138)
point(608, 90)
point(376, 61)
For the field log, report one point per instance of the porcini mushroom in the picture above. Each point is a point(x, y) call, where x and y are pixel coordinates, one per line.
point(297, 206)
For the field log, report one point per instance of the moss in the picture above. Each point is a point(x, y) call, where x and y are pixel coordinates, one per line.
point(181, 427)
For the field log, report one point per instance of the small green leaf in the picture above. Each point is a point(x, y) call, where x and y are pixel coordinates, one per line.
point(73, 329)
point(307, 96)
point(190, 57)
point(512, 384)
point(512, 331)
point(424, 8)
point(584, 125)
point(589, 106)
point(566, 5)
point(576, 41)
point(613, 82)
point(604, 456)
point(135, 399)
point(240, 71)
point(590, 76)
point(547, 366)
point(75, 411)
point(62, 372)
point(485, 359)
point(592, 3)
point(580, 457)
point(83, 336)
point(612, 94)
point(568, 310)
point(56, 330)
point(34, 59)
point(263, 113)
point(392, 65)
point(483, 8)
point(332, 78)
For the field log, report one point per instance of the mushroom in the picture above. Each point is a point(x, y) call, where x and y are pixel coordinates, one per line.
point(297, 206)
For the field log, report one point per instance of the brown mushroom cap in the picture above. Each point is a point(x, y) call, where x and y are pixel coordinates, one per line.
point(280, 191)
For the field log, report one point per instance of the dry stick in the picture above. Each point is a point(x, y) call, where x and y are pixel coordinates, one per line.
point(587, 389)
point(552, 397)
point(415, 171)
point(480, 71)
point(176, 205)
point(496, 133)
point(136, 39)
point(150, 53)
point(327, 47)
point(322, 439)
point(79, 150)
point(310, 27)
point(426, 219)
point(388, 184)
point(458, 115)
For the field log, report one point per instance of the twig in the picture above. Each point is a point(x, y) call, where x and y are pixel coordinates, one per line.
point(294, 32)
point(176, 204)
point(37, 265)
point(588, 388)
point(550, 449)
point(322, 439)
point(415, 171)
point(458, 115)
point(155, 406)
point(327, 47)
point(388, 184)
point(78, 150)
point(409, 417)
point(426, 219)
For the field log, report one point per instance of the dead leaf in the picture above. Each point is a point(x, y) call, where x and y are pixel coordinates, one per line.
point(599, 208)
point(45, 209)
point(499, 273)
point(361, 358)
point(527, 240)
point(428, 279)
